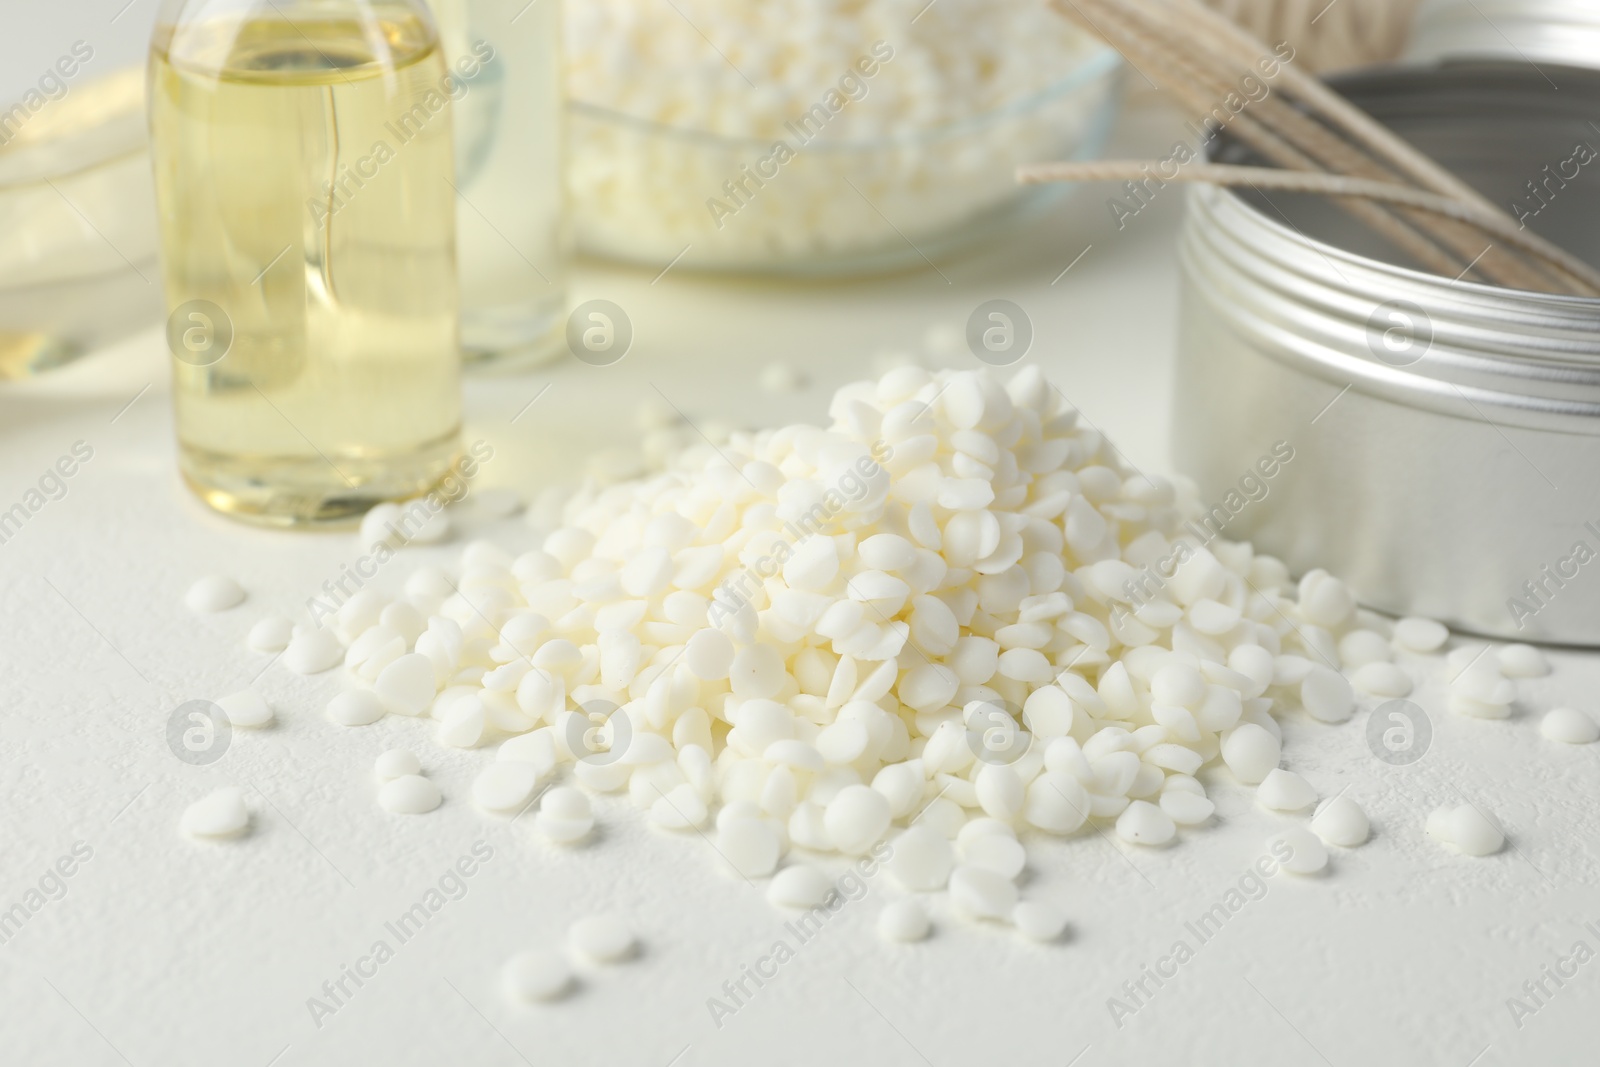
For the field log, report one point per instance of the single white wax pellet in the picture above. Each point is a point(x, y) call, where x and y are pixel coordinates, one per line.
point(856, 818)
point(799, 886)
point(1179, 684)
point(981, 893)
point(433, 530)
point(1522, 661)
point(680, 808)
point(219, 814)
point(1326, 695)
point(245, 708)
point(1341, 822)
point(407, 686)
point(213, 593)
point(396, 763)
point(565, 802)
point(904, 920)
point(271, 634)
point(1185, 808)
point(1570, 726)
point(1142, 823)
point(1420, 635)
point(1037, 920)
point(1057, 802)
point(996, 852)
point(463, 723)
point(356, 707)
point(750, 846)
point(1250, 752)
point(709, 655)
point(1361, 647)
point(313, 651)
point(1382, 679)
point(757, 672)
point(410, 794)
point(603, 938)
point(1283, 790)
point(538, 974)
point(1001, 793)
point(1307, 855)
point(504, 785)
point(378, 526)
point(1471, 832)
point(921, 858)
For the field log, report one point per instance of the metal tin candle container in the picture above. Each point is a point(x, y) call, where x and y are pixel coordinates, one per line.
point(1444, 436)
point(1533, 31)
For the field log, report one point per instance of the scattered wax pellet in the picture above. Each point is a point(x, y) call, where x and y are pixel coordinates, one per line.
point(982, 893)
point(271, 634)
point(1283, 790)
point(410, 794)
point(1522, 661)
point(506, 785)
point(1570, 726)
point(1340, 821)
point(921, 859)
point(537, 974)
point(603, 938)
point(565, 816)
point(1143, 823)
point(356, 707)
point(1039, 921)
point(750, 846)
point(904, 920)
point(1420, 635)
point(1307, 853)
point(396, 763)
point(246, 708)
point(313, 651)
point(212, 594)
point(799, 886)
point(220, 814)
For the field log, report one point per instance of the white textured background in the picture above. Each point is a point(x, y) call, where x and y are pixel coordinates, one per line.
point(164, 953)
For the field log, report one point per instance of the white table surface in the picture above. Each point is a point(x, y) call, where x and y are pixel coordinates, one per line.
point(165, 953)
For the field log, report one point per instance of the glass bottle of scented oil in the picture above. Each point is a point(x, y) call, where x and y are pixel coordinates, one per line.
point(505, 59)
point(303, 154)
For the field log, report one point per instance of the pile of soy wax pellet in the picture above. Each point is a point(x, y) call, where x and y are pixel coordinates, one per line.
point(743, 70)
point(803, 638)
point(902, 84)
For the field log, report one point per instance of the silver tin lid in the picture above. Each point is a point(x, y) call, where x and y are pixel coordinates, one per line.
point(1565, 32)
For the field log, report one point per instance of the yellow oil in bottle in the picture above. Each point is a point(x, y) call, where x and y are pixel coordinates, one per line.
point(303, 174)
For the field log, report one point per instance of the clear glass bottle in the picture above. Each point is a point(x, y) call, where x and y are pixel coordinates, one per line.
point(304, 169)
point(511, 203)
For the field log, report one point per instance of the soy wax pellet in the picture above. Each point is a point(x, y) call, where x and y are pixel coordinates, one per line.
point(271, 634)
point(1039, 921)
point(1307, 854)
point(1340, 821)
point(246, 708)
point(1570, 726)
point(904, 921)
point(212, 594)
point(220, 814)
point(602, 938)
point(409, 794)
point(396, 763)
point(538, 974)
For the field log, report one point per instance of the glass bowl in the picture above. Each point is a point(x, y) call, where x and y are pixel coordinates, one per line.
point(77, 226)
point(653, 194)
